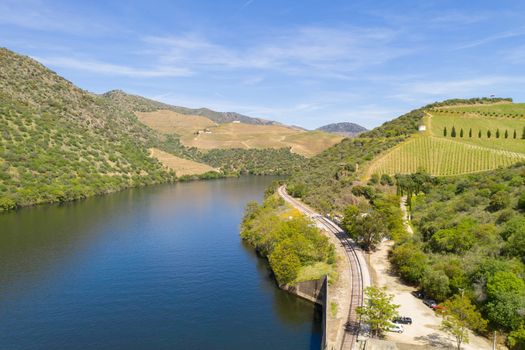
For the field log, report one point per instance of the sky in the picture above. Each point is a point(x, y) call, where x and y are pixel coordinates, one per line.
point(301, 62)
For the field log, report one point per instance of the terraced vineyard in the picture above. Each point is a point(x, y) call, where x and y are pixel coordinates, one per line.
point(485, 137)
point(440, 156)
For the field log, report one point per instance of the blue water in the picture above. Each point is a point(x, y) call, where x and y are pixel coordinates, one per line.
point(154, 268)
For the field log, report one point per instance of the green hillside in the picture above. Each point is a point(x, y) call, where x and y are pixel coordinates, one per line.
point(60, 143)
point(325, 180)
point(459, 140)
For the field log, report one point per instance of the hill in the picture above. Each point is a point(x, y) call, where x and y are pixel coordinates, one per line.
point(134, 103)
point(344, 128)
point(325, 180)
point(204, 134)
point(459, 140)
point(60, 143)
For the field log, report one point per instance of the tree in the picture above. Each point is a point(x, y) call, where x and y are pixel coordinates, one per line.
point(436, 284)
point(505, 299)
point(459, 315)
point(523, 134)
point(506, 134)
point(369, 230)
point(445, 131)
point(470, 133)
point(453, 132)
point(516, 339)
point(515, 134)
point(378, 310)
point(285, 264)
point(479, 134)
point(461, 133)
point(489, 134)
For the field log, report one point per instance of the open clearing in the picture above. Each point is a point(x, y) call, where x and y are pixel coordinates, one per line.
point(468, 151)
point(237, 135)
point(169, 122)
point(181, 166)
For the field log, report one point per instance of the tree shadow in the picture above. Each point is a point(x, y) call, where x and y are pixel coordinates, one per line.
point(436, 340)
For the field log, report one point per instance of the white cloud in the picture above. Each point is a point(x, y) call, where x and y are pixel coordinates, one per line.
point(112, 69)
point(311, 51)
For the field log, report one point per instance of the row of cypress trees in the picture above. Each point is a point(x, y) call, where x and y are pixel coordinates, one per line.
point(506, 134)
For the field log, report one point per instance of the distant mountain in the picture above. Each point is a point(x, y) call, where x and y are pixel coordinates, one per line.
point(344, 128)
point(134, 103)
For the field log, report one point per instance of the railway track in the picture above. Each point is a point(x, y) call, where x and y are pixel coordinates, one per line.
point(352, 326)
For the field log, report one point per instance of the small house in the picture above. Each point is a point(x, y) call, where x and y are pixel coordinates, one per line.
point(422, 128)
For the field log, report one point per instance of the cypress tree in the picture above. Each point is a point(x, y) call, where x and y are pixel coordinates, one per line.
point(506, 134)
point(461, 133)
point(445, 132)
point(453, 132)
point(489, 134)
point(470, 133)
point(515, 134)
point(497, 133)
point(523, 134)
point(479, 134)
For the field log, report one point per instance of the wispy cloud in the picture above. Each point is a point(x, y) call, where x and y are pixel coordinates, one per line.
point(36, 15)
point(247, 3)
point(492, 38)
point(317, 51)
point(112, 69)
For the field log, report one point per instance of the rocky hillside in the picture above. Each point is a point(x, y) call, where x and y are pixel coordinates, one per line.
point(59, 142)
point(141, 104)
point(344, 128)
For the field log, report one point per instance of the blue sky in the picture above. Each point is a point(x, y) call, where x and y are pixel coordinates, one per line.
point(302, 62)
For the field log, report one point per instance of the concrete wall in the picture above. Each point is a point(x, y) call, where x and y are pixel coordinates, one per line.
point(315, 291)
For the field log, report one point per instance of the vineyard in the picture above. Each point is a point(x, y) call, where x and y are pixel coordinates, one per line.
point(440, 156)
point(481, 124)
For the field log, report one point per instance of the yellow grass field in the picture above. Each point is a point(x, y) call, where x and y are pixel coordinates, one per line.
point(238, 135)
point(169, 122)
point(181, 166)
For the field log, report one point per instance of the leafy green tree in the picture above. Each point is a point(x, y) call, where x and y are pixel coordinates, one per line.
point(436, 284)
point(410, 261)
point(369, 230)
point(521, 202)
point(499, 200)
point(459, 315)
point(453, 132)
point(505, 299)
point(461, 132)
point(516, 338)
point(497, 133)
point(489, 134)
point(506, 134)
point(285, 264)
point(378, 310)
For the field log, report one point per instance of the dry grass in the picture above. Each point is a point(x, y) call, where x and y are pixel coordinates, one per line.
point(237, 135)
point(263, 136)
point(181, 166)
point(169, 122)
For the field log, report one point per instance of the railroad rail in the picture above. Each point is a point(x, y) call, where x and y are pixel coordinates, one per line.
point(352, 326)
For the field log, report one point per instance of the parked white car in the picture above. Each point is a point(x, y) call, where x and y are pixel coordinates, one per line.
point(394, 327)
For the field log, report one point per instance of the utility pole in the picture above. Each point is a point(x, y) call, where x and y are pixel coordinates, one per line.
point(494, 342)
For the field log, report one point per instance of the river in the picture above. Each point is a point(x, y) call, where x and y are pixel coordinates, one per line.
point(160, 267)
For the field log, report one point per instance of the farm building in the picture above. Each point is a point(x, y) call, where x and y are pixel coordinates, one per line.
point(422, 128)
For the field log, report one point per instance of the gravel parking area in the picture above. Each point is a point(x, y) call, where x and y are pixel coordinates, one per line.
point(424, 329)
